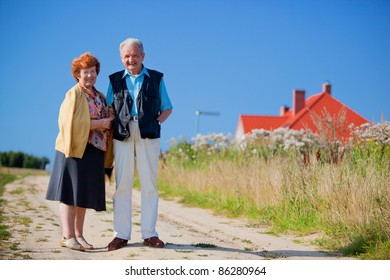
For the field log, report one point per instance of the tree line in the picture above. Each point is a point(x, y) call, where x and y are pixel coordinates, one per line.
point(22, 160)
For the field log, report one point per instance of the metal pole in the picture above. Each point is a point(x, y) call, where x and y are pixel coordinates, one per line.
point(206, 113)
point(197, 122)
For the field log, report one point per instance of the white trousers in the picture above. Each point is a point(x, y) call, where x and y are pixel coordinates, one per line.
point(142, 154)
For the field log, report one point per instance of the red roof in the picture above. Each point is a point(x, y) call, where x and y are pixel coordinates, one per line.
point(316, 105)
point(251, 122)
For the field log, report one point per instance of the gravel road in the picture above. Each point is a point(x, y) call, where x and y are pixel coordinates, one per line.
point(189, 233)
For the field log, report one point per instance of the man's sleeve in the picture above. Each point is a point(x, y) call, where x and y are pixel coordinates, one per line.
point(165, 101)
point(110, 95)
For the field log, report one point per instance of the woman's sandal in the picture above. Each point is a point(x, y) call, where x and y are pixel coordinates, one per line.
point(71, 243)
point(84, 243)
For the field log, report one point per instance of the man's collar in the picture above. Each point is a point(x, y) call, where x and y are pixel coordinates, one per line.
point(143, 71)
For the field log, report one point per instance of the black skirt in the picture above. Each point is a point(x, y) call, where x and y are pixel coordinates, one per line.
point(79, 182)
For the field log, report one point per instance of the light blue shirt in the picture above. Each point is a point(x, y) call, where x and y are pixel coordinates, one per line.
point(134, 84)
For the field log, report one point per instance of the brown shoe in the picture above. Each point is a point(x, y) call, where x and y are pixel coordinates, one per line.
point(116, 244)
point(154, 242)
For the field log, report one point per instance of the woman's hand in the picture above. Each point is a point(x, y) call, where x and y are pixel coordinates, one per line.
point(100, 124)
point(110, 112)
point(106, 123)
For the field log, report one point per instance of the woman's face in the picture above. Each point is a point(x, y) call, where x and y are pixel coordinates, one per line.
point(88, 77)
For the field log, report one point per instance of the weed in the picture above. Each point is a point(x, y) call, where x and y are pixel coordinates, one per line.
point(184, 251)
point(42, 239)
point(17, 191)
point(14, 246)
point(204, 245)
point(26, 221)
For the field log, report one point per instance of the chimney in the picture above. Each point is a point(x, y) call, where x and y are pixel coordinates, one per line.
point(298, 101)
point(326, 87)
point(283, 110)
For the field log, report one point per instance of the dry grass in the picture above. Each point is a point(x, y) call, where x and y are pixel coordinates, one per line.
point(344, 194)
point(346, 200)
point(256, 180)
point(22, 171)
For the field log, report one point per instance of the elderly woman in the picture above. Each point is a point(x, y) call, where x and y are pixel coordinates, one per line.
point(77, 179)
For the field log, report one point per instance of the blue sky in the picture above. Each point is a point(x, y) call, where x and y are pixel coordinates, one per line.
point(230, 57)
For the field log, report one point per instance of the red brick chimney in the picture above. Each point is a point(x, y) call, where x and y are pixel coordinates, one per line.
point(298, 101)
point(283, 110)
point(326, 87)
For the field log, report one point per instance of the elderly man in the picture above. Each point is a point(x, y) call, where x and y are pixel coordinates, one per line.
point(141, 103)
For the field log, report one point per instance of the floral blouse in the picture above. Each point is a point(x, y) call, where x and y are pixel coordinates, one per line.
point(97, 110)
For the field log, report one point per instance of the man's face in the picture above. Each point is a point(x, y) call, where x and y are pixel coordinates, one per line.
point(132, 58)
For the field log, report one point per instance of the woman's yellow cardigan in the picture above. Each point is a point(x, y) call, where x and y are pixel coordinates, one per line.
point(74, 123)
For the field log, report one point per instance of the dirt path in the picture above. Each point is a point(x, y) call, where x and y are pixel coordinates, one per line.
point(190, 233)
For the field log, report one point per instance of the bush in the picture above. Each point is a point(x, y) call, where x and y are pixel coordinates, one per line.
point(22, 160)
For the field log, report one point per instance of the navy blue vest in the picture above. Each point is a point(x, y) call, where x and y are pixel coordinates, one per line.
point(148, 105)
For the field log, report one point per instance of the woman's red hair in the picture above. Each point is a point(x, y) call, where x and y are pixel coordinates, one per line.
point(84, 61)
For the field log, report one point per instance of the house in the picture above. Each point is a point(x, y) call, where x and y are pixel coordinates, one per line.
point(302, 114)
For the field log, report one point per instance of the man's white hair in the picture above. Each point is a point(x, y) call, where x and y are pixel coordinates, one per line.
point(130, 42)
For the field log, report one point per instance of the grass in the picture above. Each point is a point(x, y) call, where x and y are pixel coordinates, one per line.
point(5, 178)
point(347, 203)
point(204, 245)
point(8, 175)
point(26, 221)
